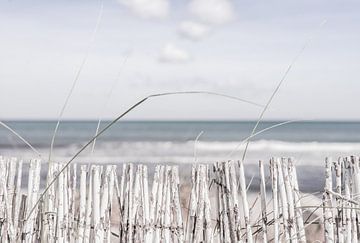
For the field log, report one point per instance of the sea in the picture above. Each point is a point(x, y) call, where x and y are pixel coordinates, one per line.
point(188, 142)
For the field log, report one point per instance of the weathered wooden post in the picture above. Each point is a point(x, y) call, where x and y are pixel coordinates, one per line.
point(82, 205)
point(33, 191)
point(274, 181)
point(298, 209)
point(249, 236)
point(263, 201)
point(327, 203)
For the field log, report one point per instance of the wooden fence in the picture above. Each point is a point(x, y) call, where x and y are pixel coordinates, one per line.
point(96, 203)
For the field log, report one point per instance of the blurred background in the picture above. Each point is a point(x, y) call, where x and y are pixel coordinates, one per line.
point(114, 53)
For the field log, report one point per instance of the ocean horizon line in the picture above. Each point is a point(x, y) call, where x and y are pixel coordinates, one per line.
point(190, 120)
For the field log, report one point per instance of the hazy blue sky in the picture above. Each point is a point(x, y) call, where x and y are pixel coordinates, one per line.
point(240, 48)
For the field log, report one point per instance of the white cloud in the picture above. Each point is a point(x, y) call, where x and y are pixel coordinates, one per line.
point(173, 54)
point(212, 11)
point(193, 31)
point(148, 8)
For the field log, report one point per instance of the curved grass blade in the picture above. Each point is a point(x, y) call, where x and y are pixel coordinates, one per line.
point(277, 89)
point(107, 101)
point(21, 138)
point(196, 143)
point(116, 120)
point(76, 78)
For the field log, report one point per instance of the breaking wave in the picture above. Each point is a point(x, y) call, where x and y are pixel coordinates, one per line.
point(207, 151)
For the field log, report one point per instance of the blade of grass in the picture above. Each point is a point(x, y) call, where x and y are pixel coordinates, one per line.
point(261, 131)
point(270, 99)
point(77, 75)
point(117, 119)
point(21, 138)
point(195, 145)
point(277, 89)
point(107, 100)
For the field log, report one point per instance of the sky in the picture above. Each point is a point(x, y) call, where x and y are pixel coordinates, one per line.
point(133, 48)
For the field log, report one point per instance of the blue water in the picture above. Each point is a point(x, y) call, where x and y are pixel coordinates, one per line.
point(40, 132)
point(173, 141)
